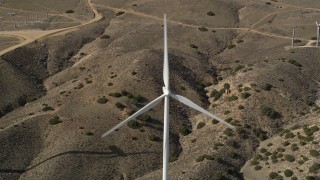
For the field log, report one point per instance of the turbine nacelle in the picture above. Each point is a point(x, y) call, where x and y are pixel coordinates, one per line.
point(165, 91)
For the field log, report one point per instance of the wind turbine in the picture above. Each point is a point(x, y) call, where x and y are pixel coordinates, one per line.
point(318, 33)
point(166, 94)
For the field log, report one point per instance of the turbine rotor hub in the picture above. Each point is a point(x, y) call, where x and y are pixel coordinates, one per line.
point(165, 91)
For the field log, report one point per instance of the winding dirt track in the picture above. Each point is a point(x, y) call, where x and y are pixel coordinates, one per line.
point(28, 36)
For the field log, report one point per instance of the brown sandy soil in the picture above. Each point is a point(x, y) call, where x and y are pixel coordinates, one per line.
point(68, 70)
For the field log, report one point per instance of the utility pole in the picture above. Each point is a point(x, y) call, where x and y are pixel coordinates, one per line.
point(293, 34)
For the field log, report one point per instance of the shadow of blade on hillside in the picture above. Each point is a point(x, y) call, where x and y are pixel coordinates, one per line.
point(115, 152)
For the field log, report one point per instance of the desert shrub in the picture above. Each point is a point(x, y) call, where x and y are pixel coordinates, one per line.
point(314, 168)
point(145, 118)
point(214, 121)
point(119, 13)
point(240, 41)
point(133, 124)
point(313, 153)
point(69, 11)
point(213, 92)
point(193, 46)
point(217, 96)
point(297, 41)
point(226, 86)
point(273, 175)
point(239, 67)
point(201, 158)
point(261, 134)
point(184, 130)
point(226, 112)
point(134, 138)
point(288, 173)
point(232, 98)
point(55, 120)
point(105, 36)
point(110, 84)
point(245, 95)
point(254, 162)
point(270, 112)
point(294, 62)
point(263, 150)
point(258, 167)
point(102, 100)
point(246, 88)
point(201, 125)
point(231, 46)
point(232, 143)
point(115, 94)
point(294, 178)
point(173, 158)
point(119, 105)
point(314, 128)
point(294, 147)
point(240, 107)
point(268, 3)
point(289, 158)
point(267, 87)
point(210, 13)
point(153, 137)
point(228, 132)
point(289, 135)
point(47, 108)
point(203, 29)
point(130, 112)
point(313, 38)
point(284, 131)
point(88, 133)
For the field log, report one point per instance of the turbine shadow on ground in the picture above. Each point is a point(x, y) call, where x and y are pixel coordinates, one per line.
point(115, 152)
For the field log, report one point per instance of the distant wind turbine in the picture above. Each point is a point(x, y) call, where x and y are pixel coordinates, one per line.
point(166, 94)
point(318, 33)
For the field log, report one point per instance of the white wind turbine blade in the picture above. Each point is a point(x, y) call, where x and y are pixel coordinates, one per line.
point(165, 57)
point(138, 113)
point(198, 108)
point(317, 23)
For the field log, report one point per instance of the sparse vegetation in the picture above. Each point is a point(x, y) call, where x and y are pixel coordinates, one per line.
point(47, 108)
point(270, 112)
point(231, 46)
point(133, 124)
point(294, 62)
point(69, 11)
point(289, 158)
point(203, 29)
point(210, 13)
point(228, 132)
point(119, 13)
point(120, 105)
point(55, 120)
point(267, 87)
point(240, 107)
point(105, 36)
point(245, 95)
point(102, 100)
point(201, 125)
point(314, 153)
point(232, 98)
point(153, 137)
point(184, 130)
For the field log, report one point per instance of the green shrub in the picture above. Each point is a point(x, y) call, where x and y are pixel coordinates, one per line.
point(289, 158)
point(146, 118)
point(88, 133)
point(286, 143)
point(69, 11)
point(110, 84)
point(184, 130)
point(246, 88)
point(232, 98)
point(294, 62)
point(228, 132)
point(232, 143)
point(201, 125)
point(213, 92)
point(226, 86)
point(105, 36)
point(133, 124)
point(203, 29)
point(294, 178)
point(314, 153)
point(245, 95)
point(120, 105)
point(258, 167)
point(193, 46)
point(240, 107)
point(314, 168)
point(173, 158)
point(130, 112)
point(263, 150)
point(267, 87)
point(273, 175)
point(214, 121)
point(47, 108)
point(231, 46)
point(119, 13)
point(153, 137)
point(226, 112)
point(116, 94)
point(270, 112)
point(288, 173)
point(210, 13)
point(102, 100)
point(294, 147)
point(289, 135)
point(55, 120)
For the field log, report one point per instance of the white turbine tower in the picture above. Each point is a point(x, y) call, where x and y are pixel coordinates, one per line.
point(318, 33)
point(166, 94)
